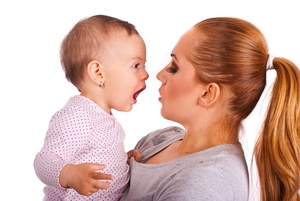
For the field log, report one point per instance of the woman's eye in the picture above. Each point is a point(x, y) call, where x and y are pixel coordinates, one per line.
point(172, 69)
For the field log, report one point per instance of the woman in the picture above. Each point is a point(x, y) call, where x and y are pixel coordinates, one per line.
point(215, 78)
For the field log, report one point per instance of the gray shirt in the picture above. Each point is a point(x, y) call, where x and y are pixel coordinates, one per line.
point(217, 173)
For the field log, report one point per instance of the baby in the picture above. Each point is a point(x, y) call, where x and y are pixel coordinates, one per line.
point(104, 58)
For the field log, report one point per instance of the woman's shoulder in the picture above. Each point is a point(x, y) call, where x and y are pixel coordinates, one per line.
point(209, 181)
point(220, 173)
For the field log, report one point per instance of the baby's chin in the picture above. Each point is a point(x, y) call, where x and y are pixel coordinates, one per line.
point(127, 108)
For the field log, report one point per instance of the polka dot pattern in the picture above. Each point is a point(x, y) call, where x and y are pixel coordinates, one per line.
point(78, 133)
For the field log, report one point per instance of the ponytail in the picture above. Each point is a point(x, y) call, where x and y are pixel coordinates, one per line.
point(277, 150)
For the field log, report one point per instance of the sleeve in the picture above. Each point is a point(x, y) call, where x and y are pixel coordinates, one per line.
point(197, 184)
point(47, 167)
point(62, 142)
point(157, 140)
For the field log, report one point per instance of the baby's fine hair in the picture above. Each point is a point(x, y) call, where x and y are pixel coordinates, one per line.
point(85, 41)
point(234, 54)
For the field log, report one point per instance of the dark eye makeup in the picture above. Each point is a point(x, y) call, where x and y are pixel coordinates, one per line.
point(172, 69)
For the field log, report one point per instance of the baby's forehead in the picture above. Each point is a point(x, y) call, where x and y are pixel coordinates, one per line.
point(119, 38)
point(121, 44)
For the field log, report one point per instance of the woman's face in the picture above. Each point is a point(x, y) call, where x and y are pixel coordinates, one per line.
point(179, 89)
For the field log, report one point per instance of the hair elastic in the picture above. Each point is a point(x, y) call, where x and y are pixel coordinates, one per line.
point(270, 62)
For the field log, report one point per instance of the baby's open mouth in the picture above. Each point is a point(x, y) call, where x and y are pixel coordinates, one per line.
point(135, 95)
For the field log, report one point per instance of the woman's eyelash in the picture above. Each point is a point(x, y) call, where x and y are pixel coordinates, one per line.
point(172, 69)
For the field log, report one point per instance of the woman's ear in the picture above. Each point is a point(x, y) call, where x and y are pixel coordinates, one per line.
point(96, 72)
point(209, 94)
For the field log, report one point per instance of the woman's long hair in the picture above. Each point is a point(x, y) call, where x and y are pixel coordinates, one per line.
point(233, 53)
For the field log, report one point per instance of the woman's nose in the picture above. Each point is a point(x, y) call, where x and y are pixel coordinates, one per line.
point(160, 76)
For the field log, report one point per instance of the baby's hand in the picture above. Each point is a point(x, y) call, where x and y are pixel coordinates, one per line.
point(136, 154)
point(84, 178)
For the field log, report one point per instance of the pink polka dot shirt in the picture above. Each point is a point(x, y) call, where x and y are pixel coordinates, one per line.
point(78, 133)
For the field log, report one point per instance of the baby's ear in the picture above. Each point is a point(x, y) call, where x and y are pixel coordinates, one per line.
point(209, 94)
point(95, 72)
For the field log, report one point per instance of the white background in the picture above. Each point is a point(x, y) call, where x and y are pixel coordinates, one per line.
point(33, 86)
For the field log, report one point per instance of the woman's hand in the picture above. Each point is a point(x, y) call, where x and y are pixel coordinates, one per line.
point(84, 178)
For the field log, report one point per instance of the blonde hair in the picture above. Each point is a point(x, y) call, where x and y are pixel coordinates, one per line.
point(277, 151)
point(233, 53)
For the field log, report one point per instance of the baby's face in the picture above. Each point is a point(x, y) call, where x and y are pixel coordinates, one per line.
point(124, 70)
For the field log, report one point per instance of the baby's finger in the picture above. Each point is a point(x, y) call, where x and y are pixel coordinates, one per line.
point(96, 166)
point(101, 176)
point(102, 185)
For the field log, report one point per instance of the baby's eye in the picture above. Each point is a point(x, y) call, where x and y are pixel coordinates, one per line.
point(172, 69)
point(136, 65)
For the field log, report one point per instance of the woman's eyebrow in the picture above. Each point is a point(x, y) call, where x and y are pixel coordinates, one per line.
point(173, 55)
